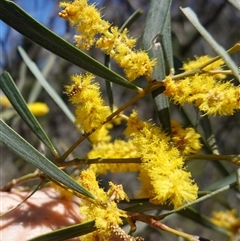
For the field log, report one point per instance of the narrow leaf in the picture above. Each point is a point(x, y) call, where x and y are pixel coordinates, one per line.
point(67, 233)
point(210, 143)
point(18, 19)
point(131, 19)
point(157, 25)
point(37, 73)
point(10, 90)
point(162, 107)
point(37, 87)
point(209, 135)
point(229, 180)
point(109, 85)
point(27, 152)
point(167, 45)
point(156, 21)
point(218, 49)
point(235, 3)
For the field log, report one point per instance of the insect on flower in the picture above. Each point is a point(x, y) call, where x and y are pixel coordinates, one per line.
point(76, 89)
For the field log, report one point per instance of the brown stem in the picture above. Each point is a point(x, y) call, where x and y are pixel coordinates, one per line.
point(235, 159)
point(25, 178)
point(151, 220)
point(79, 162)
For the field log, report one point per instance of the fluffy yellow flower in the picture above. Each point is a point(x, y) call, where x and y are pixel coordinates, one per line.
point(4, 101)
point(117, 149)
point(229, 221)
point(90, 111)
point(186, 140)
point(105, 213)
point(163, 177)
point(120, 235)
point(194, 64)
point(87, 20)
point(101, 135)
point(38, 108)
point(134, 63)
point(118, 45)
point(206, 91)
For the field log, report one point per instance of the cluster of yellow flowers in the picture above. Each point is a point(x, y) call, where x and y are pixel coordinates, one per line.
point(163, 177)
point(228, 220)
point(90, 111)
point(118, 45)
point(161, 166)
point(208, 90)
point(186, 140)
point(105, 211)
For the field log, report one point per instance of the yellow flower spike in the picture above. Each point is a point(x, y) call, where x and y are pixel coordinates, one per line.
point(117, 149)
point(87, 20)
point(163, 177)
point(204, 91)
point(130, 42)
point(91, 115)
point(88, 23)
point(186, 140)
point(194, 64)
point(228, 220)
point(179, 190)
point(88, 180)
point(71, 10)
point(38, 108)
point(116, 193)
point(222, 99)
point(90, 111)
point(101, 135)
point(107, 41)
point(134, 124)
point(118, 234)
point(5, 101)
point(105, 213)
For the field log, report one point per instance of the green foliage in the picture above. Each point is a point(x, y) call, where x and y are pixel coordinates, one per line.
point(157, 41)
point(69, 232)
point(9, 88)
point(27, 152)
